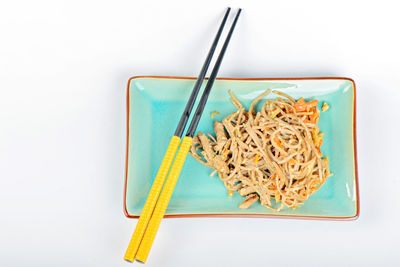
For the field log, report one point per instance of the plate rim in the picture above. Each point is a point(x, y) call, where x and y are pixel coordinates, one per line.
point(256, 215)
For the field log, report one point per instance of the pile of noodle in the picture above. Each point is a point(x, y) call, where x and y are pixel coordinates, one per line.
point(272, 155)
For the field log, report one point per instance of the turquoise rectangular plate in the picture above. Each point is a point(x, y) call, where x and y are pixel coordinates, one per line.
point(154, 108)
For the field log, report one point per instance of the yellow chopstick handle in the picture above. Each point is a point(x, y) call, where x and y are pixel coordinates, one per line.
point(163, 201)
point(152, 199)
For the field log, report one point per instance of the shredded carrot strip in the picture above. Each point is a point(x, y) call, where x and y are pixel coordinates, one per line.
point(312, 103)
point(277, 197)
point(325, 107)
point(214, 113)
point(278, 143)
point(302, 105)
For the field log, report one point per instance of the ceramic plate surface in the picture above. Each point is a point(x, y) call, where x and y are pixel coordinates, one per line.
point(155, 105)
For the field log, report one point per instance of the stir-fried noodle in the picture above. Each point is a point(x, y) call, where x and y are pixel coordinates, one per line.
point(273, 154)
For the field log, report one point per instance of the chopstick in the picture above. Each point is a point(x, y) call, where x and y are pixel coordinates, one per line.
point(170, 153)
point(162, 203)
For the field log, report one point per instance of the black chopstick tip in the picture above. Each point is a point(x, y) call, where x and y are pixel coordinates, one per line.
point(203, 100)
point(189, 105)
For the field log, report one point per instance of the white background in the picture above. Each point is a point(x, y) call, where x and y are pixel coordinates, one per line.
point(64, 66)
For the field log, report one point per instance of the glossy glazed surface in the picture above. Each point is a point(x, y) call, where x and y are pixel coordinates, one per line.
point(155, 105)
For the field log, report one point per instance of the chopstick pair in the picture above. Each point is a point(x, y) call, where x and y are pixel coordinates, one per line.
point(157, 200)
